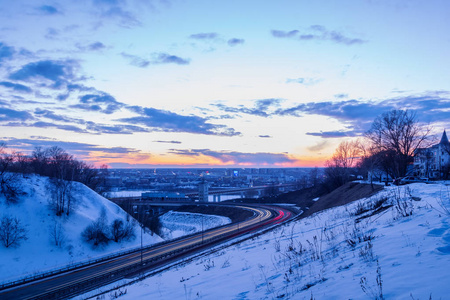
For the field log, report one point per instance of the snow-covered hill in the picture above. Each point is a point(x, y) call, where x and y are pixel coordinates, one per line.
point(394, 245)
point(38, 253)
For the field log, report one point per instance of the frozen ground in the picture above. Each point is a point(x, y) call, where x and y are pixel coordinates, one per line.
point(394, 245)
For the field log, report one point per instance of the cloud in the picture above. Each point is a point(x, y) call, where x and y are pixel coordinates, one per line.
point(333, 134)
point(72, 128)
point(48, 10)
point(234, 42)
point(136, 60)
point(158, 58)
point(116, 11)
point(103, 102)
point(52, 33)
point(168, 142)
point(113, 129)
point(262, 107)
point(204, 36)
point(74, 147)
point(96, 46)
point(319, 146)
point(7, 114)
point(233, 157)
point(318, 32)
point(164, 58)
point(52, 116)
point(16, 87)
point(172, 122)
point(284, 34)
point(304, 81)
point(58, 72)
point(6, 52)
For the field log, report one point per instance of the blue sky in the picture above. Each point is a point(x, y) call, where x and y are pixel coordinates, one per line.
point(216, 83)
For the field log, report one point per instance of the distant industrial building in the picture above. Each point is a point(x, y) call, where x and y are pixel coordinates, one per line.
point(164, 196)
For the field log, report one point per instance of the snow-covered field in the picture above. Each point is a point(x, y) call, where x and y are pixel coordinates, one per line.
point(176, 224)
point(400, 252)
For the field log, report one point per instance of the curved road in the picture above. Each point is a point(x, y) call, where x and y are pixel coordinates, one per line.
point(83, 279)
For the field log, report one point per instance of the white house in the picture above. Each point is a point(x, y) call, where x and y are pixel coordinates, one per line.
point(433, 162)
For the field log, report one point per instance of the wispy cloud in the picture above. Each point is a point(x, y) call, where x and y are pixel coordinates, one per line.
point(262, 107)
point(318, 32)
point(117, 11)
point(168, 142)
point(235, 41)
point(234, 157)
point(304, 81)
point(204, 36)
point(48, 10)
point(95, 46)
point(158, 59)
point(165, 58)
point(7, 114)
point(136, 60)
point(58, 72)
point(164, 120)
point(333, 134)
point(16, 87)
point(102, 102)
point(6, 52)
point(84, 149)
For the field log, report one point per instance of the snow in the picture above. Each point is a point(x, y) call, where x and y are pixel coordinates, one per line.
point(176, 224)
point(38, 254)
point(313, 257)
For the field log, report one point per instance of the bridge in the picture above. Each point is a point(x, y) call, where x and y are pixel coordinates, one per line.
point(240, 191)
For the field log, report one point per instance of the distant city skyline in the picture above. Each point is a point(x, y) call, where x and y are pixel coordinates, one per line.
point(174, 83)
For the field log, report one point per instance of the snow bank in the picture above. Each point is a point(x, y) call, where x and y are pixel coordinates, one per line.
point(176, 224)
point(329, 255)
point(39, 253)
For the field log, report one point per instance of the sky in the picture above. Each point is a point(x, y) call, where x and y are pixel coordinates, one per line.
point(177, 83)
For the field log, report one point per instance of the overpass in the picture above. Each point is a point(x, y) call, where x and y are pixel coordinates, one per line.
point(241, 191)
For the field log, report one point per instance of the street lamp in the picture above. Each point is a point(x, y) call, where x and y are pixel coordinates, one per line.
point(202, 228)
point(141, 225)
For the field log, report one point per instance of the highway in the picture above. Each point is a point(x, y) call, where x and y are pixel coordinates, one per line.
point(73, 282)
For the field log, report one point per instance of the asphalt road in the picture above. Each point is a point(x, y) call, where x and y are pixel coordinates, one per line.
point(70, 283)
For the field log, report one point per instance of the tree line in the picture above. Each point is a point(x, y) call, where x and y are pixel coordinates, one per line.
point(60, 167)
point(388, 146)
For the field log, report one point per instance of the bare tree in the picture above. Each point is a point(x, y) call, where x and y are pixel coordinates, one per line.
point(9, 184)
point(399, 134)
point(342, 162)
point(57, 234)
point(12, 233)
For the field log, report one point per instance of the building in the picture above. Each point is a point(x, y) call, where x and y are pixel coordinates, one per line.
point(433, 162)
point(203, 192)
point(164, 196)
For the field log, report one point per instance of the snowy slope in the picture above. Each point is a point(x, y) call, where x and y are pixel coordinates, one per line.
point(38, 253)
point(176, 224)
point(329, 256)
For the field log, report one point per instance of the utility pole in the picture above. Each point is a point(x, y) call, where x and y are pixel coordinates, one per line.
point(202, 229)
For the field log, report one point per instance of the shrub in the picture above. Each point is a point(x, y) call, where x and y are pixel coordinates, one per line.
point(120, 231)
point(96, 234)
point(12, 233)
